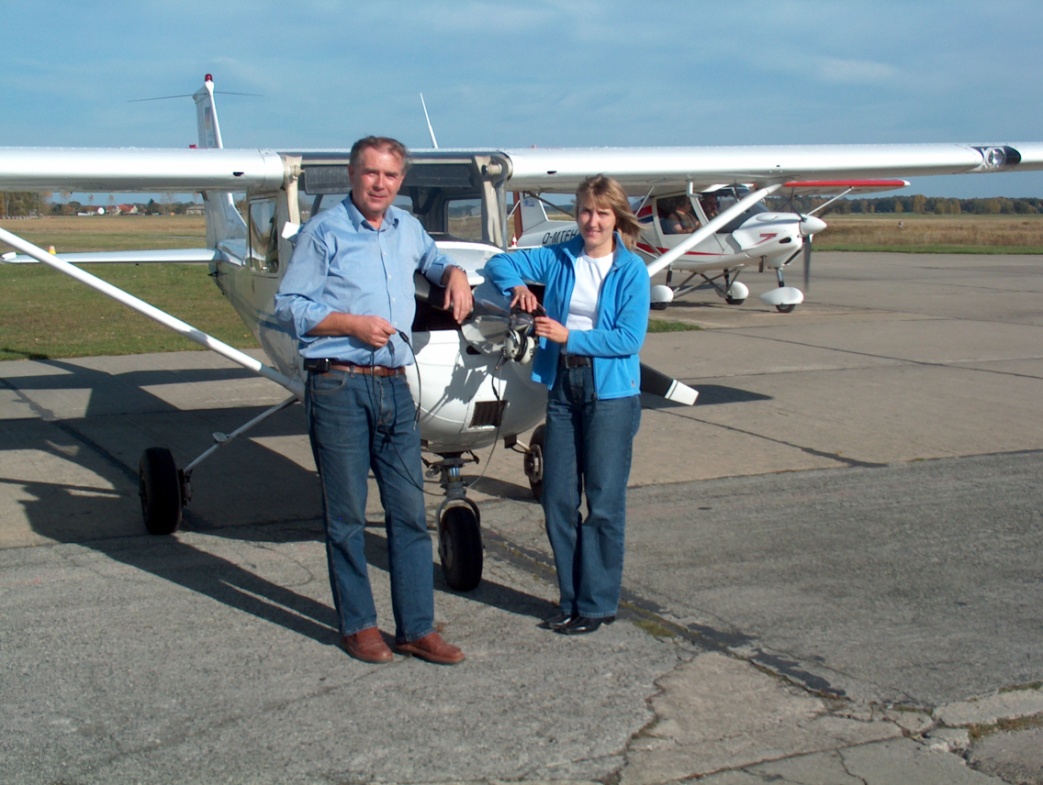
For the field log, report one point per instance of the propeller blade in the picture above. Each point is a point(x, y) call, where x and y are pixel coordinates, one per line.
point(807, 263)
point(654, 382)
point(486, 328)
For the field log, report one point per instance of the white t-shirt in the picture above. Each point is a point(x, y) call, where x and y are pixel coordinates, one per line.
point(583, 308)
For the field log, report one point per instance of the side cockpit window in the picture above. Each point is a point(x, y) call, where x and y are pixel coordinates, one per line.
point(264, 236)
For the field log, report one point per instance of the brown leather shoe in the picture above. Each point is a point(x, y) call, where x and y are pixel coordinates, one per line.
point(367, 645)
point(433, 649)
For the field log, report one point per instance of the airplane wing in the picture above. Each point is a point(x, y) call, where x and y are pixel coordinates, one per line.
point(662, 169)
point(639, 169)
point(95, 169)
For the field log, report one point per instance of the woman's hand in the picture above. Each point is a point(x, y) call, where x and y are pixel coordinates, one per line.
point(524, 299)
point(551, 330)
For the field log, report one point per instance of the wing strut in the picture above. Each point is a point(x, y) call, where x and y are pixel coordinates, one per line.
point(230, 352)
point(711, 228)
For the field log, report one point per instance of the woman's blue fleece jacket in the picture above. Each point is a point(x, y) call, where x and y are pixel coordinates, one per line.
point(622, 311)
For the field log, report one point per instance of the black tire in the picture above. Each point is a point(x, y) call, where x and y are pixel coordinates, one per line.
point(785, 308)
point(659, 306)
point(534, 460)
point(460, 547)
point(735, 300)
point(160, 491)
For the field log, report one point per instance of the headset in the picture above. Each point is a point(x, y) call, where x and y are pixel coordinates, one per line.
point(520, 341)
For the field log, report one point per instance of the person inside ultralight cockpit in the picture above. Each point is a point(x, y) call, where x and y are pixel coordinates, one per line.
point(676, 216)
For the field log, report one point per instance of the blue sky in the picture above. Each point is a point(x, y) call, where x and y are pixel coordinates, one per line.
point(525, 72)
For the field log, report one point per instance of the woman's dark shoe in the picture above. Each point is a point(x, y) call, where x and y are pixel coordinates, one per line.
point(581, 625)
point(557, 621)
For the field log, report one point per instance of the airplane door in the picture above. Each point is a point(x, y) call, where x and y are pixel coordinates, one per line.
point(677, 216)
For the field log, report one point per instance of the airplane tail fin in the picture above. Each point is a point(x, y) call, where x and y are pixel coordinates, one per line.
point(533, 213)
point(537, 228)
point(223, 221)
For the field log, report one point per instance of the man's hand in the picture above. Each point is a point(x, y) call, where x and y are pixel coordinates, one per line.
point(458, 296)
point(373, 330)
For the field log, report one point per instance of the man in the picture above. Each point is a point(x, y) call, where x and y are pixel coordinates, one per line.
point(679, 219)
point(349, 294)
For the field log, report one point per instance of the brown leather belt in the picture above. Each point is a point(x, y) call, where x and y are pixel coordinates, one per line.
point(368, 370)
point(574, 360)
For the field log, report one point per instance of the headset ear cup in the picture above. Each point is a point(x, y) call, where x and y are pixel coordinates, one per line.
point(518, 347)
point(510, 345)
point(528, 350)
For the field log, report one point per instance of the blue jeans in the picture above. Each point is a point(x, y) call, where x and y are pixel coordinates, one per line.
point(587, 449)
point(357, 423)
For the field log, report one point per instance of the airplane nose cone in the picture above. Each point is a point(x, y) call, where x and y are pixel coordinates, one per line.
point(810, 225)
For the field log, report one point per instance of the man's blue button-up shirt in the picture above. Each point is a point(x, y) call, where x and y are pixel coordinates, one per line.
point(341, 263)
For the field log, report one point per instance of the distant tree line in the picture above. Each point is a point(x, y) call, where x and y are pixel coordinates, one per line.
point(28, 203)
point(21, 204)
point(151, 207)
point(916, 204)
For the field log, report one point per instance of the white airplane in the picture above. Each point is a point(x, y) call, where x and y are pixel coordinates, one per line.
point(758, 236)
point(470, 382)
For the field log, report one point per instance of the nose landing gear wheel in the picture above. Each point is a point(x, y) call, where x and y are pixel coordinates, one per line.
point(460, 546)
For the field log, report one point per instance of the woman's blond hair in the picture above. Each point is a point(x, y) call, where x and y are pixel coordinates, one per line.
point(605, 192)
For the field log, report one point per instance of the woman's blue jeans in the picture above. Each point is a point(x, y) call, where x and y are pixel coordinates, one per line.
point(587, 450)
point(359, 423)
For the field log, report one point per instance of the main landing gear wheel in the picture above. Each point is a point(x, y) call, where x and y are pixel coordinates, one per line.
point(785, 308)
point(160, 491)
point(534, 460)
point(460, 545)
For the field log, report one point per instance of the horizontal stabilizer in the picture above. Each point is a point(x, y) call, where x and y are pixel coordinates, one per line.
point(169, 256)
point(655, 383)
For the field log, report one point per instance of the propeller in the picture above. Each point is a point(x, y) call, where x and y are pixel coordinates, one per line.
point(809, 226)
point(807, 263)
point(494, 328)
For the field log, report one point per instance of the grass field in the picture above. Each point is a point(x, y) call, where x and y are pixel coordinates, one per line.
point(933, 233)
point(45, 314)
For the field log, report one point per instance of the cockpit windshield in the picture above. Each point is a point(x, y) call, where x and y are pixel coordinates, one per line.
point(723, 198)
point(452, 198)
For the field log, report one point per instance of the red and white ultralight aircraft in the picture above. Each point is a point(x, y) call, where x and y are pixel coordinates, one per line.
point(758, 236)
point(471, 382)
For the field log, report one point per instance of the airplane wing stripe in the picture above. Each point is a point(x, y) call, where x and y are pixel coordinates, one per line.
point(847, 184)
point(652, 249)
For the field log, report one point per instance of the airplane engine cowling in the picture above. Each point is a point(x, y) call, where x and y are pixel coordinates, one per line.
point(464, 402)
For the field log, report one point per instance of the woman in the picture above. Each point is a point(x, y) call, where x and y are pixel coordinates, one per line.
point(596, 302)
